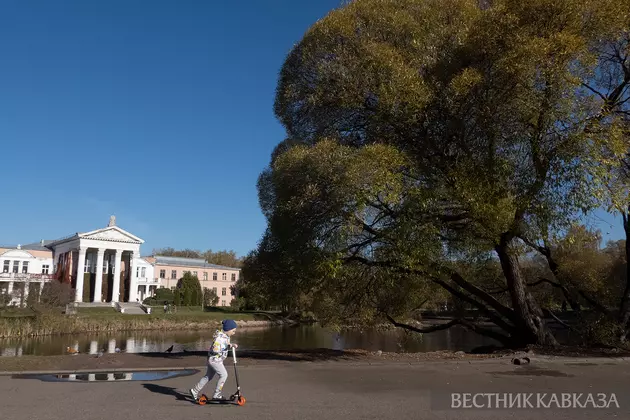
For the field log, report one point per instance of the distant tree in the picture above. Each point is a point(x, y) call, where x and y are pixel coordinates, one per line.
point(226, 258)
point(171, 252)
point(210, 297)
point(189, 289)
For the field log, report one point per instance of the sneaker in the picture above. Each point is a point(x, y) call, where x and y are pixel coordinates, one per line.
point(194, 394)
point(217, 396)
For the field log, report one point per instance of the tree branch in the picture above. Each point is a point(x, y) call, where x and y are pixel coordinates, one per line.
point(423, 330)
point(501, 338)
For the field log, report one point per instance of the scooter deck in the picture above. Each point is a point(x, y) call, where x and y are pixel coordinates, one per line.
point(234, 400)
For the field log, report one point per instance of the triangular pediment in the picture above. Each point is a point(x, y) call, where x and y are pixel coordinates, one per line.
point(113, 234)
point(17, 253)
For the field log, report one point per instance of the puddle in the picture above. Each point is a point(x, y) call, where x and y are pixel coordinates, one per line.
point(110, 377)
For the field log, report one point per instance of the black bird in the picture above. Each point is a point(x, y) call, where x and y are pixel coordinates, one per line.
point(170, 349)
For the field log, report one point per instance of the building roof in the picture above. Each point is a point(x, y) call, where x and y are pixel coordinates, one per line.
point(188, 262)
point(35, 246)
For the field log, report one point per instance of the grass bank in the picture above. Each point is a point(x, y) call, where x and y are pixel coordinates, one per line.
point(111, 321)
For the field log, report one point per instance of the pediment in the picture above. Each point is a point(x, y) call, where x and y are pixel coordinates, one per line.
point(16, 253)
point(112, 234)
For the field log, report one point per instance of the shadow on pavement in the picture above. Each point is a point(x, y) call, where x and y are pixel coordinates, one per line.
point(165, 390)
point(311, 355)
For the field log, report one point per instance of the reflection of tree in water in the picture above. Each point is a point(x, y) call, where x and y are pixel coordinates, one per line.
point(408, 340)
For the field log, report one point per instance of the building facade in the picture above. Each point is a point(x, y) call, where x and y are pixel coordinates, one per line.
point(103, 266)
point(146, 282)
point(168, 271)
point(25, 269)
point(99, 264)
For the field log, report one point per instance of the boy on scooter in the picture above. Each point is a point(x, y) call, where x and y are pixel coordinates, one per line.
point(216, 355)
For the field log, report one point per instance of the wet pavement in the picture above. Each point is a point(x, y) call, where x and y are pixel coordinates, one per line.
point(322, 390)
point(109, 376)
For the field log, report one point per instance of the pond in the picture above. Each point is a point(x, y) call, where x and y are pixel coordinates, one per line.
point(263, 338)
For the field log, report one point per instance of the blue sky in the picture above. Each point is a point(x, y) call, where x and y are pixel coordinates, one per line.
point(159, 112)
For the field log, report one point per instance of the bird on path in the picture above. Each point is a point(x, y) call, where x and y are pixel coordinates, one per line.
point(170, 349)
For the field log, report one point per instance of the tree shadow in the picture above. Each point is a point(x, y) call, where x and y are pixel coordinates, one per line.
point(307, 355)
point(165, 390)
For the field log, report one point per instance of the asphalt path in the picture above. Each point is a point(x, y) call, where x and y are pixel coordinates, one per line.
point(343, 391)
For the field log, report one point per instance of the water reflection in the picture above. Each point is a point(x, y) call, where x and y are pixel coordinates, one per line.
point(266, 338)
point(110, 377)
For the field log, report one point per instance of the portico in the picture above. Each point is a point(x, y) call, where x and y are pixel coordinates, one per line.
point(98, 264)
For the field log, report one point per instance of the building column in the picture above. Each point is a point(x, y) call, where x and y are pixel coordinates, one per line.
point(98, 283)
point(133, 280)
point(116, 288)
point(80, 275)
point(27, 288)
point(93, 347)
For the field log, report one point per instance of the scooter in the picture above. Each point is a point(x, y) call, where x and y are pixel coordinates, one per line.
point(234, 398)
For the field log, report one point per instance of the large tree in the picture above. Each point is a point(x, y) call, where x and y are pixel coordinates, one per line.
point(422, 134)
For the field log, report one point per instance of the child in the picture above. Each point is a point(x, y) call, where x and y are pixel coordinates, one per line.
point(216, 355)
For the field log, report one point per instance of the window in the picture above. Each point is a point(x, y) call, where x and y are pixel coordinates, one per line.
point(195, 273)
point(223, 292)
point(7, 263)
point(214, 276)
point(223, 303)
point(45, 268)
point(137, 271)
point(16, 265)
point(233, 276)
point(205, 275)
point(224, 276)
point(143, 272)
point(25, 267)
point(162, 274)
point(214, 289)
point(231, 292)
point(173, 274)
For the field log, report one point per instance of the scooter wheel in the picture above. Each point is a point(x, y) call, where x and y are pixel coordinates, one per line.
point(240, 401)
point(203, 400)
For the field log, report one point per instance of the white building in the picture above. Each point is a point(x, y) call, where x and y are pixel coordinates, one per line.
point(25, 269)
point(104, 266)
point(99, 264)
point(146, 282)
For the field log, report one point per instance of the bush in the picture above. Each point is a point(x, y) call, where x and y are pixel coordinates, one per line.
point(164, 295)
point(56, 294)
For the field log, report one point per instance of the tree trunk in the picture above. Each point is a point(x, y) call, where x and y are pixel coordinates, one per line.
point(624, 307)
point(531, 326)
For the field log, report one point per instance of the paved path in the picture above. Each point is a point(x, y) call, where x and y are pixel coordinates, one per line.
point(327, 390)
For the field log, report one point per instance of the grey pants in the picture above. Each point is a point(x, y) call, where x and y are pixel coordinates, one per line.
point(214, 366)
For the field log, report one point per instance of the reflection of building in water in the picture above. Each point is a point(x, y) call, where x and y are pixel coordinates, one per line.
point(93, 377)
point(11, 351)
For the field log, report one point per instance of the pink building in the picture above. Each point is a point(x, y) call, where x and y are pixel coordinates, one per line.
point(168, 270)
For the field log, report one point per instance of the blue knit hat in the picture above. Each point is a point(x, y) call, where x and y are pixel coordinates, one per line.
point(228, 325)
